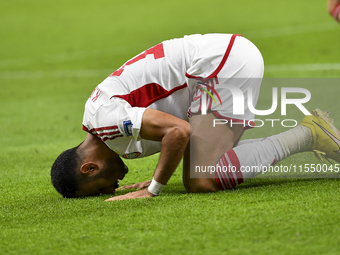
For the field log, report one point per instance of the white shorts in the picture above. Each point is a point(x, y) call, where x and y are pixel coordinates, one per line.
point(236, 70)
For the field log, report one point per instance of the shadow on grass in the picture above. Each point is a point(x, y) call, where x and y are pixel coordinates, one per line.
point(262, 182)
point(177, 188)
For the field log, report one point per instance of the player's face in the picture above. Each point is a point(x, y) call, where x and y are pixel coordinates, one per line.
point(106, 180)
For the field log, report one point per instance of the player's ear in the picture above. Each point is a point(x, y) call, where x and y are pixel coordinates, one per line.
point(88, 168)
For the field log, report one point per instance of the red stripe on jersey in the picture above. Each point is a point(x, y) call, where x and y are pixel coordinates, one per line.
point(225, 179)
point(108, 133)
point(224, 59)
point(218, 181)
point(221, 175)
point(157, 51)
point(104, 128)
point(86, 129)
point(110, 138)
point(148, 94)
point(103, 134)
point(336, 12)
point(228, 175)
point(100, 129)
point(235, 162)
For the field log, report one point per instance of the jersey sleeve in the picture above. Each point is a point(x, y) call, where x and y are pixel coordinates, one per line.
point(113, 119)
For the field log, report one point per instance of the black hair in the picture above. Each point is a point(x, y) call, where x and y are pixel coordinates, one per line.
point(64, 176)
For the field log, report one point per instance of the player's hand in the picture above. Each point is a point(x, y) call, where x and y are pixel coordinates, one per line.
point(140, 185)
point(132, 195)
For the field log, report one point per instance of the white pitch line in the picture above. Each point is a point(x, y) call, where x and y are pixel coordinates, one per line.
point(291, 30)
point(5, 75)
point(63, 57)
point(303, 67)
point(80, 55)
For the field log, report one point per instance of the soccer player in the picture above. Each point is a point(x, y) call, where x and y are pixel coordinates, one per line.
point(166, 100)
point(334, 9)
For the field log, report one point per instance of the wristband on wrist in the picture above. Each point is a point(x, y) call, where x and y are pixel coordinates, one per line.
point(155, 187)
point(336, 12)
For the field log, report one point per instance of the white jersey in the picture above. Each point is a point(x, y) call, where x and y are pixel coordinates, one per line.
point(158, 79)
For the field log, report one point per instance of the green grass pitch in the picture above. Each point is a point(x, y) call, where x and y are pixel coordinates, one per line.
point(53, 54)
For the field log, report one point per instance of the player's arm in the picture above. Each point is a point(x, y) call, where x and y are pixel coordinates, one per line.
point(334, 9)
point(174, 135)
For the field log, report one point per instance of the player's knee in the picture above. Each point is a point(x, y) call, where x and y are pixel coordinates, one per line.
point(200, 186)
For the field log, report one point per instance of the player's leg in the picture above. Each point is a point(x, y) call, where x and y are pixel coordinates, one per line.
point(315, 133)
point(334, 9)
point(239, 163)
point(205, 148)
point(247, 160)
point(242, 70)
point(214, 147)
